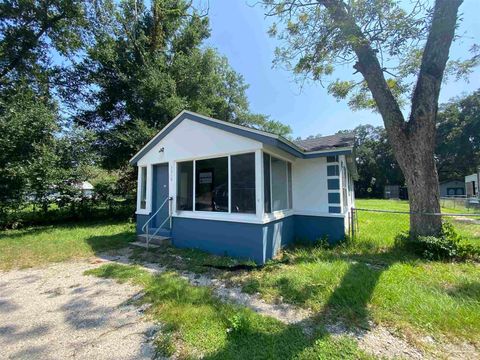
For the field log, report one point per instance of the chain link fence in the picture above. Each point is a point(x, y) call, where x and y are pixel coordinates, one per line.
point(381, 226)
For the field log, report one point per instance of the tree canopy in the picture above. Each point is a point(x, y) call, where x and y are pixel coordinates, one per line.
point(85, 84)
point(458, 137)
point(145, 65)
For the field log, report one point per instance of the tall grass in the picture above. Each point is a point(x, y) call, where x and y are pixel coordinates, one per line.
point(370, 279)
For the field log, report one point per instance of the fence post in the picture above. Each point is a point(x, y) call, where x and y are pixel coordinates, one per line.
point(352, 222)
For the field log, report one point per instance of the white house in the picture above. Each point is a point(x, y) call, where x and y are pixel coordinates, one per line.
point(472, 184)
point(86, 187)
point(233, 190)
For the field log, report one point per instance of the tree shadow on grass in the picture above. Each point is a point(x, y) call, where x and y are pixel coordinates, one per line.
point(347, 305)
point(102, 243)
point(466, 291)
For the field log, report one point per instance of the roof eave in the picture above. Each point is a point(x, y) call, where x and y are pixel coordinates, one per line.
point(259, 135)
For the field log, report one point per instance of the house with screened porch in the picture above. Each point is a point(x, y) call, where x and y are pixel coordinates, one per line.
point(233, 190)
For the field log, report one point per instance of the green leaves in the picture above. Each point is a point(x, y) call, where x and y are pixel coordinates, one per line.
point(458, 136)
point(148, 64)
point(32, 31)
point(27, 124)
point(314, 44)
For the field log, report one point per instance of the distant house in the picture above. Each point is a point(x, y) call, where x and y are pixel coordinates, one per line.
point(395, 192)
point(392, 192)
point(86, 188)
point(472, 184)
point(452, 188)
point(228, 189)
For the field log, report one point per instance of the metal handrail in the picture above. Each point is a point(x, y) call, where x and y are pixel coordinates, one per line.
point(145, 226)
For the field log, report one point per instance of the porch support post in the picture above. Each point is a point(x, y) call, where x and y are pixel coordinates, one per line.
point(139, 181)
point(150, 184)
point(259, 184)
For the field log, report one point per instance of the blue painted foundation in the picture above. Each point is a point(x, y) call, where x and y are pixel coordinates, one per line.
point(312, 228)
point(257, 242)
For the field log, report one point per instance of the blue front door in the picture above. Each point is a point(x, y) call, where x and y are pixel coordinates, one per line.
point(160, 193)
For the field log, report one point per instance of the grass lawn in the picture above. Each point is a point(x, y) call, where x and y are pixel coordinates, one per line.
point(372, 280)
point(40, 245)
point(380, 229)
point(196, 324)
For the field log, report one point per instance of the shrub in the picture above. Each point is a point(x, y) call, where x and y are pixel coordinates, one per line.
point(447, 246)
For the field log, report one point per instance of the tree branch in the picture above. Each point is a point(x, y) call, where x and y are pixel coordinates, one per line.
point(369, 66)
point(434, 60)
point(31, 44)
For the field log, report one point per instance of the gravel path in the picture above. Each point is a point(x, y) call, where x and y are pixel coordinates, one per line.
point(58, 313)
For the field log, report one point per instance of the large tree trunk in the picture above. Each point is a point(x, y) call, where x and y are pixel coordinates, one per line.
point(421, 177)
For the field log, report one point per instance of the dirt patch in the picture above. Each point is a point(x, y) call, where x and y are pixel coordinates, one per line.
point(467, 220)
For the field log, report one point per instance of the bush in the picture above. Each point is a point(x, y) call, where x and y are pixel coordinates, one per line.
point(86, 211)
point(447, 246)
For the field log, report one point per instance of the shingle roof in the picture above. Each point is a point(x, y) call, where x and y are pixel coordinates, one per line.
point(326, 142)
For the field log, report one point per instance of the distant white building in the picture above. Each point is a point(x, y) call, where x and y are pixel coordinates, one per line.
point(86, 188)
point(452, 188)
point(472, 184)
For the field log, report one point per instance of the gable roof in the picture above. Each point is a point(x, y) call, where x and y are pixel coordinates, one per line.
point(298, 150)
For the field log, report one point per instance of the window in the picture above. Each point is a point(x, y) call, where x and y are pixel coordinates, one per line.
point(143, 187)
point(266, 183)
point(333, 170)
point(243, 183)
point(185, 185)
point(211, 185)
point(278, 184)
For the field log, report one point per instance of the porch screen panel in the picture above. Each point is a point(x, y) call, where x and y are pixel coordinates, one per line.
point(243, 183)
point(211, 185)
point(266, 183)
point(185, 186)
point(279, 184)
point(143, 187)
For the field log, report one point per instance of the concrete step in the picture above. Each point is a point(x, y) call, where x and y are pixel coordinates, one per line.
point(144, 245)
point(156, 240)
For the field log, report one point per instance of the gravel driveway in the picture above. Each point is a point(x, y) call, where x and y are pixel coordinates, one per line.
point(58, 313)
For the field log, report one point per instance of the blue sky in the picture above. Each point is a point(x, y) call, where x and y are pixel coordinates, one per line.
point(239, 31)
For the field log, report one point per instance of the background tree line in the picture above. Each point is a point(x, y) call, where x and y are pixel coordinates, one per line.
point(84, 84)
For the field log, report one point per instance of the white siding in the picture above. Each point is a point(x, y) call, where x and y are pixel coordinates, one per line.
point(191, 140)
point(310, 195)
